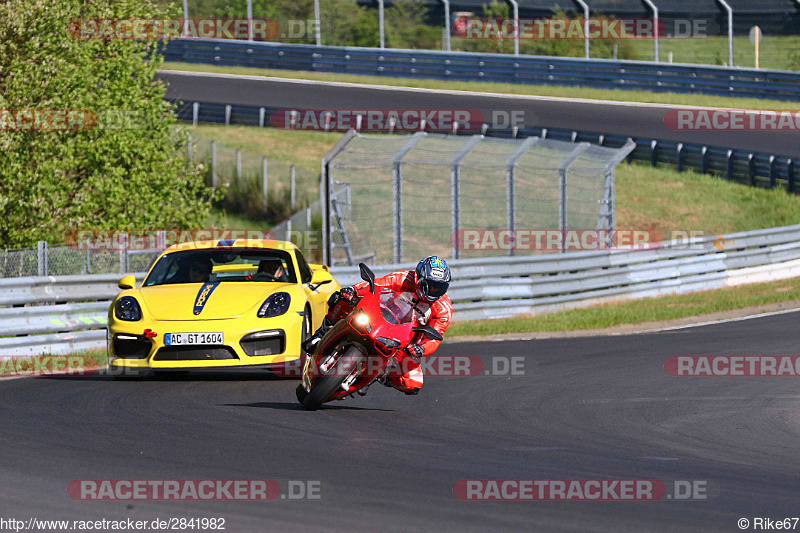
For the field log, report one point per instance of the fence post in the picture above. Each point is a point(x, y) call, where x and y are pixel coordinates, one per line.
point(397, 196)
point(511, 209)
point(751, 169)
point(790, 174)
point(189, 147)
point(455, 193)
point(195, 113)
point(238, 166)
point(261, 112)
point(227, 114)
point(264, 182)
point(214, 163)
point(88, 257)
point(41, 256)
point(680, 157)
point(291, 172)
point(123, 253)
point(562, 187)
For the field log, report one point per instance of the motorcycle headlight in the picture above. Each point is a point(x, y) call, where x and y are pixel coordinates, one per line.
point(361, 321)
point(127, 308)
point(275, 305)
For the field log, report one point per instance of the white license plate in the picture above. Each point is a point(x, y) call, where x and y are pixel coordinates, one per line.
point(172, 339)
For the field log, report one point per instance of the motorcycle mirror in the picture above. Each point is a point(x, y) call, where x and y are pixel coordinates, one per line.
point(428, 332)
point(367, 275)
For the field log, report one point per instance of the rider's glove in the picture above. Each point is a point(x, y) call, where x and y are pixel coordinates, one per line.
point(346, 293)
point(415, 351)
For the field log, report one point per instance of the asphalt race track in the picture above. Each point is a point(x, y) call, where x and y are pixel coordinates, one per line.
point(584, 408)
point(637, 120)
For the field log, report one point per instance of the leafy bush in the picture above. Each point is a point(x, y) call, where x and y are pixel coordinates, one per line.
point(106, 175)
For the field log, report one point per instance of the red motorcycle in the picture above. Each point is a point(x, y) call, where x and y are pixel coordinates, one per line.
point(361, 348)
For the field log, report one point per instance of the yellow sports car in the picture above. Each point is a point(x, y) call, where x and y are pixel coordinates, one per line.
point(217, 304)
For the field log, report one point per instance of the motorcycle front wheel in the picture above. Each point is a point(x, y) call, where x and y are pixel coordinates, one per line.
point(326, 385)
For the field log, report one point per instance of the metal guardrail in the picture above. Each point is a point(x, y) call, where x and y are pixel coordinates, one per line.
point(501, 68)
point(752, 168)
point(68, 314)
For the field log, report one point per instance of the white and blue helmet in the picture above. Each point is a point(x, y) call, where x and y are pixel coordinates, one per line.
point(433, 278)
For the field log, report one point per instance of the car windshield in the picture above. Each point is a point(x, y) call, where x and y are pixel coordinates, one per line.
point(218, 265)
point(396, 307)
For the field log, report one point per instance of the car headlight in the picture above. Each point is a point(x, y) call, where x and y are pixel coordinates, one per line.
point(127, 308)
point(275, 305)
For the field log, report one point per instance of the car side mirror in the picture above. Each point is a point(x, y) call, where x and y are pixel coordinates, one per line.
point(319, 277)
point(367, 275)
point(127, 282)
point(428, 332)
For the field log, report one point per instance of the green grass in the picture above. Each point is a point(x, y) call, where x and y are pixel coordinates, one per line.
point(503, 88)
point(220, 218)
point(637, 311)
point(662, 198)
point(774, 52)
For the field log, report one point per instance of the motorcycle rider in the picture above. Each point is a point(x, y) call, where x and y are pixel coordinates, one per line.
point(426, 285)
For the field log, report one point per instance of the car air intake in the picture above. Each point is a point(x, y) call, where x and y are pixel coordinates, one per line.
point(271, 342)
point(131, 346)
point(194, 353)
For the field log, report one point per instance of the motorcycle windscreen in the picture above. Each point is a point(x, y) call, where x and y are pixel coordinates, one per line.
point(397, 307)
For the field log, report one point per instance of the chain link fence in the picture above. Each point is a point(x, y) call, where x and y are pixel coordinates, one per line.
point(415, 195)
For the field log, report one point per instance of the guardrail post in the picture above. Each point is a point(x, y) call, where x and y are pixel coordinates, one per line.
point(264, 182)
point(511, 169)
point(397, 195)
point(790, 175)
point(227, 114)
point(654, 152)
point(562, 188)
point(680, 157)
point(455, 193)
point(704, 160)
point(214, 164)
point(195, 112)
point(729, 172)
point(41, 256)
point(261, 113)
point(773, 175)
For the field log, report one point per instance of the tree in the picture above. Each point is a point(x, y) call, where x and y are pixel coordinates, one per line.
point(121, 168)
